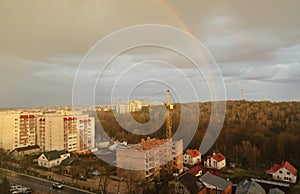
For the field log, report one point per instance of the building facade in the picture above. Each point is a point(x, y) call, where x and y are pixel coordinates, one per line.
point(50, 135)
point(17, 129)
point(191, 157)
point(149, 159)
point(216, 161)
point(283, 172)
point(52, 158)
point(55, 130)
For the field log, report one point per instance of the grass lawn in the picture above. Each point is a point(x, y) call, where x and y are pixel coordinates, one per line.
point(239, 173)
point(296, 188)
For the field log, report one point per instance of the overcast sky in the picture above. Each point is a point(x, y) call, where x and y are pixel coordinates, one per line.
point(256, 45)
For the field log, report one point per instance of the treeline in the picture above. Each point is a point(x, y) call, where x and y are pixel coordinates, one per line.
point(254, 134)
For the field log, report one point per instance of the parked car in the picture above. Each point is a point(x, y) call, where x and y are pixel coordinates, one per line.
point(16, 189)
point(57, 185)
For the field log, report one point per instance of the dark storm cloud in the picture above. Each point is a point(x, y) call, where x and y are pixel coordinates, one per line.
point(256, 44)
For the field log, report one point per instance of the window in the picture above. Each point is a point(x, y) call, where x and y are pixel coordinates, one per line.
point(280, 172)
point(288, 173)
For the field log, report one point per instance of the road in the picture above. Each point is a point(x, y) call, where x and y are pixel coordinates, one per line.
point(37, 184)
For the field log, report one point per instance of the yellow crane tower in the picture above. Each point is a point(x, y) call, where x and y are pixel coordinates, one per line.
point(169, 117)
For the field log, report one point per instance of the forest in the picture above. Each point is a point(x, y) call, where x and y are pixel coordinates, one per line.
point(255, 134)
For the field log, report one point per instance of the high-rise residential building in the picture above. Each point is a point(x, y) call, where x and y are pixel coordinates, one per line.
point(9, 130)
point(54, 130)
point(149, 159)
point(86, 131)
point(17, 129)
point(73, 133)
point(50, 133)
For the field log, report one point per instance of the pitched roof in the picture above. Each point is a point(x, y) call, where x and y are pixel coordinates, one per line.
point(284, 164)
point(26, 148)
point(215, 181)
point(52, 155)
point(274, 169)
point(219, 157)
point(290, 167)
point(190, 182)
point(195, 170)
point(246, 187)
point(67, 161)
point(193, 153)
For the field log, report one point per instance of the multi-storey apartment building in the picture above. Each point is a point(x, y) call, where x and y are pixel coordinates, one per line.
point(17, 129)
point(149, 159)
point(73, 133)
point(79, 133)
point(54, 130)
point(9, 130)
point(50, 133)
point(126, 107)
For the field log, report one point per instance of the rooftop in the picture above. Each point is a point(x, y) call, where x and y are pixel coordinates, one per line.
point(26, 148)
point(284, 164)
point(52, 155)
point(215, 181)
point(246, 187)
point(193, 153)
point(219, 157)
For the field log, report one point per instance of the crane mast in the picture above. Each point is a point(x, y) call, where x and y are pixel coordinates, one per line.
point(169, 117)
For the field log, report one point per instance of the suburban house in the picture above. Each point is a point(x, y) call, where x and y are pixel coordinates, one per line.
point(215, 184)
point(191, 157)
point(52, 158)
point(246, 187)
point(216, 161)
point(187, 183)
point(23, 151)
point(283, 172)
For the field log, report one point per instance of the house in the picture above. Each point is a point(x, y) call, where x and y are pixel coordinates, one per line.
point(216, 161)
point(188, 183)
point(283, 172)
point(215, 184)
point(52, 158)
point(23, 151)
point(246, 187)
point(196, 171)
point(191, 157)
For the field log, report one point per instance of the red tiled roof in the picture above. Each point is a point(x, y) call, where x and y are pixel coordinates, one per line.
point(274, 169)
point(290, 167)
point(284, 164)
point(193, 153)
point(219, 157)
point(195, 170)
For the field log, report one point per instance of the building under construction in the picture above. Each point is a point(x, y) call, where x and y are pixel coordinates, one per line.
point(152, 158)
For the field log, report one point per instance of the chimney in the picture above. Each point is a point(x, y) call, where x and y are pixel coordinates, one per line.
point(214, 153)
point(148, 139)
point(142, 140)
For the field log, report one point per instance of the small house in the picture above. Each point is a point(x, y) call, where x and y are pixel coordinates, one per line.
point(283, 172)
point(52, 158)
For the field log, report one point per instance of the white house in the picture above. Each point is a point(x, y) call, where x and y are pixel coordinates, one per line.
point(191, 157)
point(52, 158)
point(216, 161)
point(283, 172)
